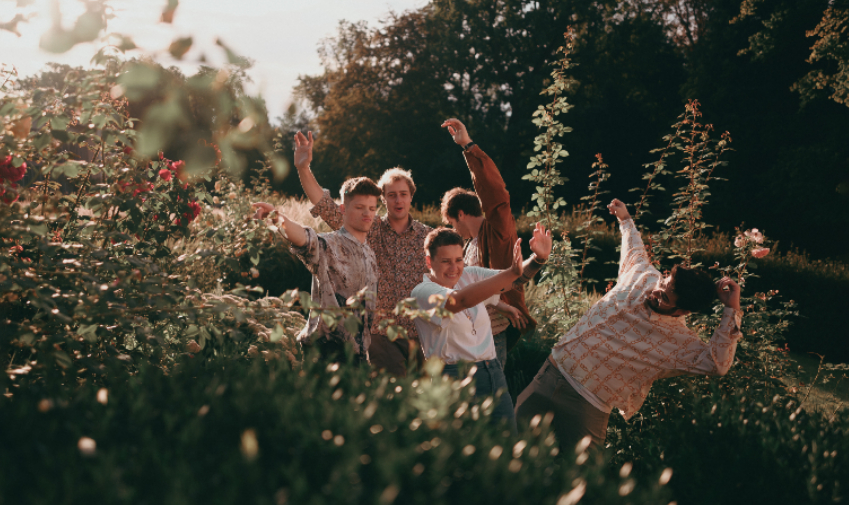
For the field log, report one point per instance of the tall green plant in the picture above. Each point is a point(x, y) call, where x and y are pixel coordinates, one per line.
point(559, 277)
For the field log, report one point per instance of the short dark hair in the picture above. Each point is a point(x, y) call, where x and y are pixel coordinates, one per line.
point(359, 186)
point(694, 287)
point(439, 237)
point(459, 199)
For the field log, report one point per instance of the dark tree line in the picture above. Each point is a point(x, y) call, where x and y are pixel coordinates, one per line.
point(385, 91)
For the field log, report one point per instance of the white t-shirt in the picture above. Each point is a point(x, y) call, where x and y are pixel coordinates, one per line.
point(465, 337)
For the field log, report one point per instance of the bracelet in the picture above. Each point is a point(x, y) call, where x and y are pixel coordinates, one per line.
point(468, 146)
point(538, 262)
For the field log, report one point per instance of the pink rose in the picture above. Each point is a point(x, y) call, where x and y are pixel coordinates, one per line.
point(740, 241)
point(165, 174)
point(760, 252)
point(755, 236)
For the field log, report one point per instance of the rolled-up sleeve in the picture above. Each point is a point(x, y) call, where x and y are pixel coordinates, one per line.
point(310, 253)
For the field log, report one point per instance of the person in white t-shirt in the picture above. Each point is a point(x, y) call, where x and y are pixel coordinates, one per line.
point(466, 291)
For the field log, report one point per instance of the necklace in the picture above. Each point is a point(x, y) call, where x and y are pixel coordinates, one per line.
point(466, 312)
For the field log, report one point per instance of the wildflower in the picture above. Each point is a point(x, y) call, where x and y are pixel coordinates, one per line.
point(740, 241)
point(253, 351)
point(128, 149)
point(177, 167)
point(254, 272)
point(11, 173)
point(143, 187)
point(161, 156)
point(217, 185)
point(193, 347)
point(760, 252)
point(755, 236)
point(178, 222)
point(232, 196)
point(165, 174)
point(156, 217)
point(216, 200)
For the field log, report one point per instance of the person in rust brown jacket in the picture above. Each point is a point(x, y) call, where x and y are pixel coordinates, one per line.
point(485, 220)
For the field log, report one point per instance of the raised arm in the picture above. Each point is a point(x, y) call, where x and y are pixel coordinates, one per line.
point(295, 233)
point(477, 292)
point(303, 158)
point(541, 248)
point(717, 356)
point(489, 185)
point(633, 250)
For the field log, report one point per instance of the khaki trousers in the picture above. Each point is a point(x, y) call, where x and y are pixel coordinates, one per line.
point(574, 417)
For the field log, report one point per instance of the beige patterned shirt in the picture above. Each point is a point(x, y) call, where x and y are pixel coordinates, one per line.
point(620, 346)
point(400, 260)
point(340, 266)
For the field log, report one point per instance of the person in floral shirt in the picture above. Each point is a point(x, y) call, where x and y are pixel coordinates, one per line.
point(342, 265)
point(398, 243)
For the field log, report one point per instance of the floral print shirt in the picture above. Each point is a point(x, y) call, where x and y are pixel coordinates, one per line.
point(400, 260)
point(340, 266)
point(620, 346)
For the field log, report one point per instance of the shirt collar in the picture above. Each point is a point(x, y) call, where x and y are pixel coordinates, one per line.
point(384, 221)
point(345, 233)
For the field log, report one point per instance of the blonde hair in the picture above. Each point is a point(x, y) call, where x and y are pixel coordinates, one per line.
point(394, 175)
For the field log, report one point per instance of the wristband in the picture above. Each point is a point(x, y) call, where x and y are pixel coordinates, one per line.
point(538, 262)
point(468, 146)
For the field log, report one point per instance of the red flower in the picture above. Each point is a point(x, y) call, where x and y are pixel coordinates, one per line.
point(156, 217)
point(161, 155)
point(178, 222)
point(10, 172)
point(128, 149)
point(195, 207)
point(165, 174)
point(143, 188)
point(177, 167)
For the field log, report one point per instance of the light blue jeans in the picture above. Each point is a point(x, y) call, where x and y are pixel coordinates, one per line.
point(489, 379)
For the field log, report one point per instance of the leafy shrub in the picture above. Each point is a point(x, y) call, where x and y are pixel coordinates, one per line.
point(223, 430)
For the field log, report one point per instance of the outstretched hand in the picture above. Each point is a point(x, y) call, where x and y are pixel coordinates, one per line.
point(303, 150)
point(618, 209)
point(517, 267)
point(541, 242)
point(728, 292)
point(458, 131)
point(262, 210)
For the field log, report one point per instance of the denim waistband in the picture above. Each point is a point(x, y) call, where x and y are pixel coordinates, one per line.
point(487, 363)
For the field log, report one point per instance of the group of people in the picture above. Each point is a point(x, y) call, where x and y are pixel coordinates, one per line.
point(474, 270)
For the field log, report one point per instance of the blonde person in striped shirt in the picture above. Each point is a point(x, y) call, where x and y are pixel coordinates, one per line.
point(633, 336)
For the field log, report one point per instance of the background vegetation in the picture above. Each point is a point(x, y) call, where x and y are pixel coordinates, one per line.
point(147, 325)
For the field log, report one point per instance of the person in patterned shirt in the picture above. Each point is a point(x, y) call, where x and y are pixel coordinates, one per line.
point(398, 243)
point(342, 264)
point(633, 336)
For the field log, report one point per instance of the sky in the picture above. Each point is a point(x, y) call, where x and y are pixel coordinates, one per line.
point(281, 36)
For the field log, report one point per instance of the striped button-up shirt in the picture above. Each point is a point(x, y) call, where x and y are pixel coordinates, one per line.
point(621, 346)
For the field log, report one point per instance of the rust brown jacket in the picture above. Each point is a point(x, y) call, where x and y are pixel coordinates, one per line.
point(498, 230)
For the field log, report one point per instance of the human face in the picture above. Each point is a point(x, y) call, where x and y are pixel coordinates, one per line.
point(359, 212)
point(447, 265)
point(662, 298)
point(398, 198)
point(460, 225)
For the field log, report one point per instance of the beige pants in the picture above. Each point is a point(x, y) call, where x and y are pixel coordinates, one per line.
point(574, 417)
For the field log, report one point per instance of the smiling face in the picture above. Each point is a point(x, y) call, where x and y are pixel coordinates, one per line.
point(662, 298)
point(398, 198)
point(447, 265)
point(359, 212)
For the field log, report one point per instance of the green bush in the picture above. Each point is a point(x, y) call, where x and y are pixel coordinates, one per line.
point(229, 430)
